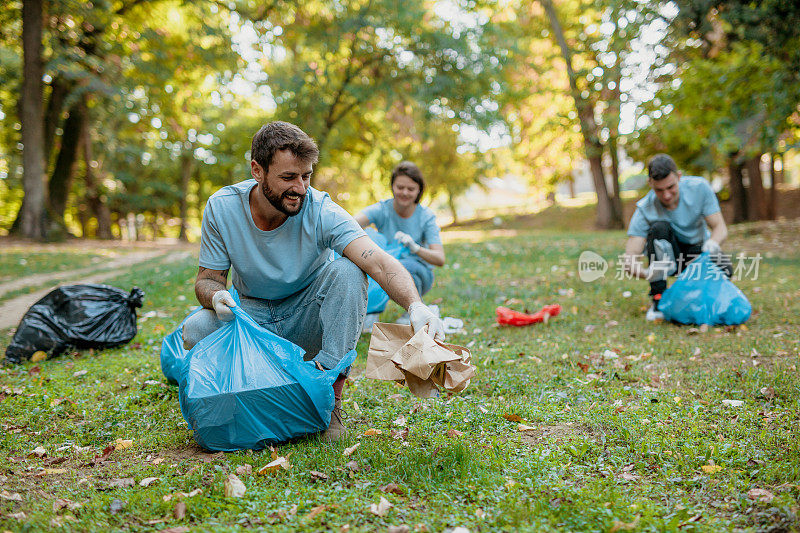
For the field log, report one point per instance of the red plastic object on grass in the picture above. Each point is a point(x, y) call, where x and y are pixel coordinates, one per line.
point(509, 317)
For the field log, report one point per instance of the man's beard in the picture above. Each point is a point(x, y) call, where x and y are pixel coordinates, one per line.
point(277, 200)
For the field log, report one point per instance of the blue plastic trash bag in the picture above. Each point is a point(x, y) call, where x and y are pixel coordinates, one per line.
point(173, 354)
point(703, 294)
point(243, 387)
point(376, 296)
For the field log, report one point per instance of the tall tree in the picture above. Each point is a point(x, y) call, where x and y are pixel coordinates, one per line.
point(32, 219)
point(593, 147)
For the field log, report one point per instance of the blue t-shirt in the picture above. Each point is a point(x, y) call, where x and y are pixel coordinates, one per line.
point(421, 225)
point(272, 264)
point(696, 201)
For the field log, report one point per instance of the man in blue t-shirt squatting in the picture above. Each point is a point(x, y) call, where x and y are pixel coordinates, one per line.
point(279, 235)
point(676, 221)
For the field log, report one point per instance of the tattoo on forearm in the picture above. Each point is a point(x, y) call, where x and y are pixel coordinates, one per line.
point(390, 276)
point(367, 253)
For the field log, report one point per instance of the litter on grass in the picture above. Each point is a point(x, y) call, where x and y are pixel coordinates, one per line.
point(509, 317)
point(396, 353)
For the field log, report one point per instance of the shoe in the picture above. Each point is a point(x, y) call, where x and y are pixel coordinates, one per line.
point(369, 321)
point(336, 429)
point(653, 314)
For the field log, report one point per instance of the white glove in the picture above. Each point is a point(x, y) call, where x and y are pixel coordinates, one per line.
point(712, 247)
point(406, 240)
point(222, 301)
point(421, 316)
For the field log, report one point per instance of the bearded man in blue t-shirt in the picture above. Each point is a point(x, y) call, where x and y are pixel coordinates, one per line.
point(279, 235)
point(676, 221)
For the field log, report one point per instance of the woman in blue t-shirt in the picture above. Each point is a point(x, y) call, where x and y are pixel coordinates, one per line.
point(402, 219)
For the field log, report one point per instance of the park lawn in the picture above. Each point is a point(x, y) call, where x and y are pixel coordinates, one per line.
point(16, 261)
point(637, 441)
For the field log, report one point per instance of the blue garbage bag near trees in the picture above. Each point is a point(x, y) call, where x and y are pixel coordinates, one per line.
point(376, 296)
point(243, 387)
point(703, 294)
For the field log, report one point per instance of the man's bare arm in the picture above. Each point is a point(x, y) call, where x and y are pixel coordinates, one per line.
point(633, 251)
point(207, 283)
point(385, 269)
point(362, 220)
point(719, 231)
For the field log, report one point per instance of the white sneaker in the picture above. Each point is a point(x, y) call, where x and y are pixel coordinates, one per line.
point(369, 321)
point(654, 315)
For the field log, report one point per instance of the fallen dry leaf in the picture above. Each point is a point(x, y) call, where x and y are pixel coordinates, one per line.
point(38, 356)
point(179, 512)
point(352, 466)
point(396, 397)
point(401, 421)
point(79, 373)
point(525, 427)
point(480, 513)
point(318, 476)
point(711, 469)
point(380, 508)
point(372, 431)
point(512, 418)
point(122, 483)
point(399, 434)
point(349, 451)
point(624, 526)
point(454, 433)
point(10, 496)
point(18, 516)
point(315, 511)
point(399, 529)
point(627, 476)
point(234, 488)
point(762, 495)
point(768, 393)
point(61, 503)
point(158, 460)
point(122, 444)
point(275, 466)
point(177, 529)
point(39, 451)
point(393, 488)
point(146, 482)
point(244, 470)
point(482, 409)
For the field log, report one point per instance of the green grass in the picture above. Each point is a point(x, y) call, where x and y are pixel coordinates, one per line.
point(618, 442)
point(18, 262)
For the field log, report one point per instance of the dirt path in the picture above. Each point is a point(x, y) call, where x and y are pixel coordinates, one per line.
point(11, 312)
point(36, 280)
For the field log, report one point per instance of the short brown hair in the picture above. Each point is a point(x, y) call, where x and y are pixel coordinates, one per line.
point(412, 171)
point(660, 167)
point(278, 135)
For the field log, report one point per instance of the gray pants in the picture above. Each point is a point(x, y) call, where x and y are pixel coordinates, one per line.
point(324, 319)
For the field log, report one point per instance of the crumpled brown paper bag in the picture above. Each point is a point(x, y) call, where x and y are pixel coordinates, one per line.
point(397, 354)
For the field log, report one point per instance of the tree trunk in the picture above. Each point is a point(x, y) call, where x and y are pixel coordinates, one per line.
point(187, 166)
point(451, 203)
point(52, 115)
point(94, 196)
point(772, 213)
point(33, 161)
point(617, 199)
point(593, 148)
point(757, 201)
point(61, 179)
point(738, 194)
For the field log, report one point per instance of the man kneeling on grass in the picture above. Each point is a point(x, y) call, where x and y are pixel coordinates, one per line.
point(674, 223)
point(279, 235)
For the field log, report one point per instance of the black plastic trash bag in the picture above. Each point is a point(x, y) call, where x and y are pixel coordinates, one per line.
point(79, 316)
